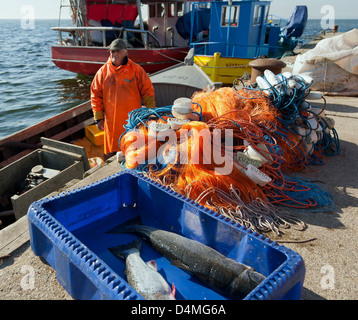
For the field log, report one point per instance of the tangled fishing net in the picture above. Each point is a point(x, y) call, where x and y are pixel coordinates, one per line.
point(237, 159)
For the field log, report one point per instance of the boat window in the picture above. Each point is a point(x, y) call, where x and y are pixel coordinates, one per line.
point(257, 15)
point(152, 11)
point(230, 14)
point(171, 10)
point(160, 10)
point(156, 10)
point(180, 9)
point(267, 13)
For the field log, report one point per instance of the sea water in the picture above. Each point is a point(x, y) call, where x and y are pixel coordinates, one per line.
point(33, 89)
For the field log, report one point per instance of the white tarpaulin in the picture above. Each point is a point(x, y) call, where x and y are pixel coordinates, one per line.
point(333, 64)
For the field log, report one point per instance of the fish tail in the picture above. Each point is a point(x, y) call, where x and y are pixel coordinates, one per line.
point(128, 226)
point(173, 291)
point(123, 251)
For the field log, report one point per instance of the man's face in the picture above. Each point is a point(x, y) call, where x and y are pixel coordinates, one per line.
point(118, 56)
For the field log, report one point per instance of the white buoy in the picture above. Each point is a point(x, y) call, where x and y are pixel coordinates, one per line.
point(253, 154)
point(305, 105)
point(330, 122)
point(287, 75)
point(313, 123)
point(176, 123)
point(263, 84)
point(314, 95)
point(301, 131)
point(271, 77)
point(257, 175)
point(159, 130)
point(120, 156)
point(292, 84)
point(307, 79)
point(182, 108)
point(312, 138)
point(317, 111)
point(245, 160)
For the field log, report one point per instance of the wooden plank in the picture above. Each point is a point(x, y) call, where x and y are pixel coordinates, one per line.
point(22, 203)
point(72, 130)
point(13, 237)
point(59, 146)
point(15, 157)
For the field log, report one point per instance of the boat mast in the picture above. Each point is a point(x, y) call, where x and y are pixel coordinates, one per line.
point(141, 25)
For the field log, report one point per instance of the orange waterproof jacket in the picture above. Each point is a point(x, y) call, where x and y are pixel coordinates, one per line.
point(115, 91)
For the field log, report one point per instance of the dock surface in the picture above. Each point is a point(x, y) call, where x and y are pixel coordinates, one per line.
point(328, 245)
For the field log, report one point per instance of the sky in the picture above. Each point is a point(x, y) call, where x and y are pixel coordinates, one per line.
point(317, 9)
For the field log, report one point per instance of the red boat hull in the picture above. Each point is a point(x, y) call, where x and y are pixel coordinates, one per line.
point(87, 60)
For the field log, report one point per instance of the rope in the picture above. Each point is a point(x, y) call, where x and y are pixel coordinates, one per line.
point(170, 58)
point(296, 241)
point(257, 215)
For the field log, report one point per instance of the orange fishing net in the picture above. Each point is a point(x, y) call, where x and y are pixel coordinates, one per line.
point(226, 100)
point(199, 170)
point(189, 163)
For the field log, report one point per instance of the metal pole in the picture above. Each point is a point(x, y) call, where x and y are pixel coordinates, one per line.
point(228, 28)
point(144, 38)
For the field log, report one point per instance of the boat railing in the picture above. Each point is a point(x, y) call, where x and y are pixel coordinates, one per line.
point(230, 48)
point(277, 20)
point(81, 36)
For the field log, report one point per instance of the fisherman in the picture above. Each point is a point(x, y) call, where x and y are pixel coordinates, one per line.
point(118, 87)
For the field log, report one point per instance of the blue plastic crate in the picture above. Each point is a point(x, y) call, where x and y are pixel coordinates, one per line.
point(69, 232)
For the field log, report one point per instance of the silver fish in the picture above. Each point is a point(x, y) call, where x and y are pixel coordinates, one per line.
point(222, 274)
point(141, 276)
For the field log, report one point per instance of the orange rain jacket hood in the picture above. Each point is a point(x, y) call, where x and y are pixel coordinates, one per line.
point(115, 91)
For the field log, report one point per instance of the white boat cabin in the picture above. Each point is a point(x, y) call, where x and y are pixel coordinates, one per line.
point(162, 18)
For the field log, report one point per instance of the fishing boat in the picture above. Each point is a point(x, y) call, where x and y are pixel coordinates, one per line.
point(154, 44)
point(228, 35)
point(66, 126)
